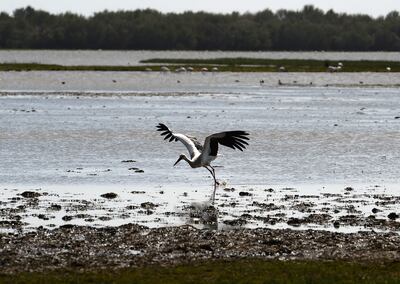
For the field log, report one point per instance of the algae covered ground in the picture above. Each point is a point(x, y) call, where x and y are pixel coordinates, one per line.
point(236, 271)
point(136, 254)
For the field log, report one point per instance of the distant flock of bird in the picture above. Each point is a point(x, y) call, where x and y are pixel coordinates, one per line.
point(184, 69)
point(330, 68)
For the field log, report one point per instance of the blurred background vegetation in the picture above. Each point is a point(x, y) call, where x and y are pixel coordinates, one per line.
point(310, 29)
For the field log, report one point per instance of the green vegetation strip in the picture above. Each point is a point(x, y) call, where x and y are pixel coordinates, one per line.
point(223, 65)
point(52, 67)
point(240, 271)
point(290, 65)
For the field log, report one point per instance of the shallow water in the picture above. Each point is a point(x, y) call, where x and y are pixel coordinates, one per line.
point(314, 140)
point(298, 135)
point(126, 58)
point(172, 83)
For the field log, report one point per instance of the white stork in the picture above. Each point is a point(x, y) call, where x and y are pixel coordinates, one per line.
point(203, 155)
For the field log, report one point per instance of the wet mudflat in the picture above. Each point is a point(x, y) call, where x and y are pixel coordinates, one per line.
point(88, 248)
point(42, 232)
point(119, 82)
point(332, 208)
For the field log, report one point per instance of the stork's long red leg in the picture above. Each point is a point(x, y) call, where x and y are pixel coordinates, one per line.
point(215, 182)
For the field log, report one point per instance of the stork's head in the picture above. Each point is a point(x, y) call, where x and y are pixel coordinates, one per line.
point(181, 157)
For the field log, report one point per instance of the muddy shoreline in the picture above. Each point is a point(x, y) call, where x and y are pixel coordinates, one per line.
point(83, 248)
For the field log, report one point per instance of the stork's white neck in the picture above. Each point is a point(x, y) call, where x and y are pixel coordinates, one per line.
point(192, 163)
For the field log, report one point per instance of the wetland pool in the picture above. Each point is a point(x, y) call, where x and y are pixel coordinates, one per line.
point(319, 158)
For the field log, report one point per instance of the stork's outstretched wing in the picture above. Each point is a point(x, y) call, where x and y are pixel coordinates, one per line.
point(188, 142)
point(231, 139)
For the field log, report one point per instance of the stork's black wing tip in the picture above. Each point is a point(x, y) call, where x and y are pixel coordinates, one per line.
point(161, 127)
point(239, 134)
point(235, 139)
point(165, 131)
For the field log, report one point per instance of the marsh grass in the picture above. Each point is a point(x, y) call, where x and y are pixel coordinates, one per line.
point(290, 65)
point(238, 271)
point(223, 64)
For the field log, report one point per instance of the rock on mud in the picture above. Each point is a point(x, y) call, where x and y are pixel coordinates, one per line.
point(43, 217)
point(148, 205)
point(11, 224)
point(55, 207)
point(67, 218)
point(376, 210)
point(393, 216)
point(235, 222)
point(295, 222)
point(105, 218)
point(229, 189)
point(110, 195)
point(30, 194)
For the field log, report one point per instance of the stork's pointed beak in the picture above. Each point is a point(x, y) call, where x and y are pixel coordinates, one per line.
point(180, 158)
